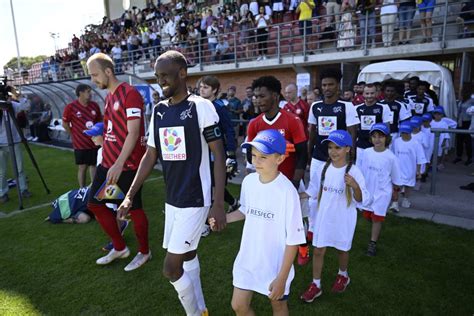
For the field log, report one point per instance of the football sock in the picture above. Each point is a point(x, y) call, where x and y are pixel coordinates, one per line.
point(108, 222)
point(184, 287)
point(317, 282)
point(303, 250)
point(343, 273)
point(140, 226)
point(193, 269)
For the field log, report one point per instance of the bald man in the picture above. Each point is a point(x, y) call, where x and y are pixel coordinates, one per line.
point(296, 105)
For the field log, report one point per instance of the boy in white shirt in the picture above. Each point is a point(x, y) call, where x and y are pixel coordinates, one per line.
point(410, 157)
point(443, 145)
point(265, 265)
point(429, 141)
point(381, 172)
point(416, 122)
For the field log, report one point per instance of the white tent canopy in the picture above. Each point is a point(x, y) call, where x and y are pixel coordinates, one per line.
point(438, 76)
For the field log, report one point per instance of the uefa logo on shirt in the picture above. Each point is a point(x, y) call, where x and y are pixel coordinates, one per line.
point(368, 120)
point(327, 124)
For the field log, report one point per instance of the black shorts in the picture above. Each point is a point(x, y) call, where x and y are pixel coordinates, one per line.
point(86, 156)
point(124, 183)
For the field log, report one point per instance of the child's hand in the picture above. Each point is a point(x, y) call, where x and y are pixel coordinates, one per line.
point(350, 181)
point(304, 195)
point(212, 223)
point(277, 289)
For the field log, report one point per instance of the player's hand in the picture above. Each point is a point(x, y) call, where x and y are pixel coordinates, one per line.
point(304, 195)
point(277, 289)
point(350, 181)
point(217, 213)
point(114, 173)
point(123, 209)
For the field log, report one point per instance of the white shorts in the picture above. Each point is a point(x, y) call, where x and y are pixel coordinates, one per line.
point(278, 6)
point(183, 228)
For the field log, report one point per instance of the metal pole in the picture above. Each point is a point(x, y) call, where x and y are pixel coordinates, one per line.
point(235, 51)
point(304, 41)
point(434, 166)
point(278, 44)
point(200, 53)
point(461, 79)
point(16, 37)
point(445, 20)
point(366, 30)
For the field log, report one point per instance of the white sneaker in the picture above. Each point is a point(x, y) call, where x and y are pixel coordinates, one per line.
point(139, 260)
point(406, 203)
point(264, 57)
point(394, 207)
point(112, 255)
point(259, 58)
point(206, 231)
point(417, 186)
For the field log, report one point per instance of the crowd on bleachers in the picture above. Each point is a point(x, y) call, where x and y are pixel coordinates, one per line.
point(245, 28)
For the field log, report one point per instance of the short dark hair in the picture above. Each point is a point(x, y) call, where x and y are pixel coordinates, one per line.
point(361, 83)
point(211, 81)
point(388, 138)
point(425, 84)
point(269, 82)
point(175, 57)
point(334, 73)
point(81, 88)
point(415, 78)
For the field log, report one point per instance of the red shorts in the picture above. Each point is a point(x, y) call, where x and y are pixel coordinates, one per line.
point(370, 216)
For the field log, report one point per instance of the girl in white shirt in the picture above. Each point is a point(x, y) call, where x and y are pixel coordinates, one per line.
point(443, 145)
point(272, 231)
point(338, 189)
point(417, 135)
point(382, 173)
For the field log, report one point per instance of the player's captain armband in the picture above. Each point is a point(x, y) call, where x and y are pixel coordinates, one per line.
point(212, 133)
point(134, 112)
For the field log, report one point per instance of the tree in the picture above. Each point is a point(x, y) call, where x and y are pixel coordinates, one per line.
point(26, 62)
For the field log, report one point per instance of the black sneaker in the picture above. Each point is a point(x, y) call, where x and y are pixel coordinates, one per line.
point(372, 249)
point(234, 207)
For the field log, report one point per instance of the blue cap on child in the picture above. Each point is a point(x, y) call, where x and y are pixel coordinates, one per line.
point(339, 137)
point(406, 127)
point(427, 117)
point(416, 121)
point(269, 142)
point(438, 109)
point(381, 127)
point(96, 130)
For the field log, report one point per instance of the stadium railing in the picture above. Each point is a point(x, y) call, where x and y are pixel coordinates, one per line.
point(437, 132)
point(284, 39)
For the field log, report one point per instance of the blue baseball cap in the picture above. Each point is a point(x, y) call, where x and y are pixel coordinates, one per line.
point(381, 127)
point(339, 137)
point(438, 109)
point(269, 142)
point(426, 117)
point(96, 130)
point(406, 127)
point(416, 121)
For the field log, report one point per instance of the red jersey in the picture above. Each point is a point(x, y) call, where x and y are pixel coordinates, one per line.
point(290, 126)
point(125, 104)
point(80, 118)
point(358, 99)
point(301, 109)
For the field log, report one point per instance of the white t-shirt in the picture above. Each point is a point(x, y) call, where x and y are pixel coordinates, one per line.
point(116, 52)
point(253, 7)
point(388, 7)
point(429, 141)
point(410, 154)
point(380, 170)
point(262, 21)
point(334, 222)
point(442, 136)
point(270, 225)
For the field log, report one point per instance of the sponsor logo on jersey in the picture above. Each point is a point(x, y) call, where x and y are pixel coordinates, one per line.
point(333, 190)
point(337, 109)
point(261, 214)
point(116, 106)
point(93, 112)
point(185, 114)
point(89, 124)
point(78, 114)
point(173, 143)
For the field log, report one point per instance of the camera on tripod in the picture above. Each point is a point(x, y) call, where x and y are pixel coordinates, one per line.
point(5, 90)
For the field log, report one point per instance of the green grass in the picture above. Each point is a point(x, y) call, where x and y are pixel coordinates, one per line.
point(421, 268)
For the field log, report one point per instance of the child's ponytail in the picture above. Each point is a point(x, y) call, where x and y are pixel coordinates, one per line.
point(323, 176)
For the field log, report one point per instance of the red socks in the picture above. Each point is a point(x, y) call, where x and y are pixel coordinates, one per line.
point(108, 222)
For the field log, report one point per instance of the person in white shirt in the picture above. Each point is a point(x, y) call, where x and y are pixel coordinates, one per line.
point(388, 17)
point(443, 145)
point(429, 141)
point(417, 135)
point(337, 190)
point(262, 21)
point(382, 173)
point(117, 57)
point(265, 265)
point(410, 156)
point(212, 33)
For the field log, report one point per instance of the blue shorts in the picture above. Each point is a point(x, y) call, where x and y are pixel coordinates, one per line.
point(405, 16)
point(427, 6)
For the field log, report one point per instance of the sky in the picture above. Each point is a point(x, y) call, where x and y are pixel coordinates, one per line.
point(36, 19)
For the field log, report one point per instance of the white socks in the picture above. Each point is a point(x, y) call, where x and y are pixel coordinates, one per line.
point(343, 273)
point(193, 269)
point(317, 282)
point(184, 287)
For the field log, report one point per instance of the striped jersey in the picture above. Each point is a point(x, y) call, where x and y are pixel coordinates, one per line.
point(123, 105)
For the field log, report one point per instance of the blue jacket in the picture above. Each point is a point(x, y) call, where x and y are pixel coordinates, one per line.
point(225, 125)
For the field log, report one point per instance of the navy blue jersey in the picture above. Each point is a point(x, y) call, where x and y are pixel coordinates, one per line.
point(368, 116)
point(69, 204)
point(399, 111)
point(225, 125)
point(176, 131)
